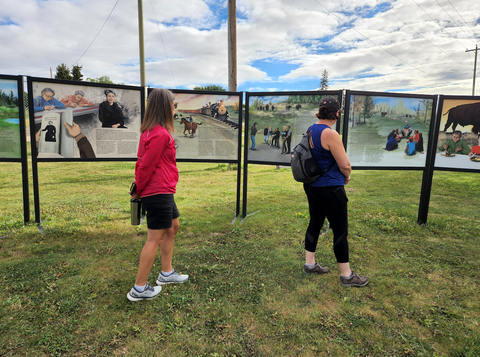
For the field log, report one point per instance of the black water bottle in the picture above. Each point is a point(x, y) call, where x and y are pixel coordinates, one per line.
point(135, 211)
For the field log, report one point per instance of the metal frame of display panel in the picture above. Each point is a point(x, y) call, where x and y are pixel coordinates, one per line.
point(206, 107)
point(22, 142)
point(95, 90)
point(302, 116)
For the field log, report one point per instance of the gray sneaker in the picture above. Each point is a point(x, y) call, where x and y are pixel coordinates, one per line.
point(317, 269)
point(172, 278)
point(149, 293)
point(353, 280)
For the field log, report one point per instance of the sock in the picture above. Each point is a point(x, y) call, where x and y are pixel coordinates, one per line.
point(167, 274)
point(140, 289)
point(310, 266)
point(348, 277)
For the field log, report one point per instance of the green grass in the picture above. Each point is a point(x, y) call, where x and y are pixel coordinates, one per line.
point(64, 291)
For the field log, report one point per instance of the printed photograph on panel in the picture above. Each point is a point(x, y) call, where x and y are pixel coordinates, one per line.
point(10, 145)
point(276, 123)
point(207, 126)
point(458, 143)
point(388, 131)
point(78, 121)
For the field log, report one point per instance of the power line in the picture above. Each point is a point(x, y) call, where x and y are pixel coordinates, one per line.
point(97, 33)
point(163, 43)
point(452, 19)
point(462, 18)
point(438, 24)
point(376, 44)
point(418, 33)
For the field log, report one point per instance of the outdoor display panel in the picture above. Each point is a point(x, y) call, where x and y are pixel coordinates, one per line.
point(13, 138)
point(372, 118)
point(208, 126)
point(458, 144)
point(12, 118)
point(278, 110)
point(73, 120)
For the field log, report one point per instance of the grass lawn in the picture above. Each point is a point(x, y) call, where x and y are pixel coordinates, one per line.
point(64, 291)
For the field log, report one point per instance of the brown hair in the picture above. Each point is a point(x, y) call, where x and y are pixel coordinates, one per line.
point(324, 114)
point(159, 110)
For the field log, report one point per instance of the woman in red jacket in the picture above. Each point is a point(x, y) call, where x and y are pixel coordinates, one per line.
point(156, 176)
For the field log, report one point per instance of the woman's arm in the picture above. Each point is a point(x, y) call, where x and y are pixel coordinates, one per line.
point(331, 141)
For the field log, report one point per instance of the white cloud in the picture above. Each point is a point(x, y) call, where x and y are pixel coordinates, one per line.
point(417, 48)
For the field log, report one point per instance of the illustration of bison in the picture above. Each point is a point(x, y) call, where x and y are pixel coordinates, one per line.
point(465, 114)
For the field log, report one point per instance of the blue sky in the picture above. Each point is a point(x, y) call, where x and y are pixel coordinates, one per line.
point(282, 45)
point(7, 86)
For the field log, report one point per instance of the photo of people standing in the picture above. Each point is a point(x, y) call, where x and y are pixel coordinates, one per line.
point(283, 118)
point(109, 112)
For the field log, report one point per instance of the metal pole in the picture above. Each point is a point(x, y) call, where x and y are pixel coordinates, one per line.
point(140, 40)
point(232, 45)
point(474, 68)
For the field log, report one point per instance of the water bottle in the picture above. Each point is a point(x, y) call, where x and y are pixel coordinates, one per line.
point(135, 211)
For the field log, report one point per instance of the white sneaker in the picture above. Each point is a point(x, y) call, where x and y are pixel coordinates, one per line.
point(172, 278)
point(149, 293)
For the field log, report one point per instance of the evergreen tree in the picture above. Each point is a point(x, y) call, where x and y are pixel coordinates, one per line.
point(324, 81)
point(77, 73)
point(368, 107)
point(210, 87)
point(63, 72)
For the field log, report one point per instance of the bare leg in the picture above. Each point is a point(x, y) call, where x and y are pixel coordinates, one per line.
point(149, 252)
point(309, 257)
point(166, 248)
point(345, 269)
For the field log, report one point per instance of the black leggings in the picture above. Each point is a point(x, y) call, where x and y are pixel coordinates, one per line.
point(329, 202)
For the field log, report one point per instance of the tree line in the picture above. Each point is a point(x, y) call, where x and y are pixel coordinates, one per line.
point(8, 100)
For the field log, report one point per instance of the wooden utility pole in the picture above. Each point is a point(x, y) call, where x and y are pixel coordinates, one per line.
point(140, 40)
point(474, 67)
point(232, 45)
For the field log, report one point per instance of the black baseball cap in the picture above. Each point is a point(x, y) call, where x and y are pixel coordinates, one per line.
point(332, 104)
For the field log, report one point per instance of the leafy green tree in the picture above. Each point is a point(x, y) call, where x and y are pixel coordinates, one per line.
point(427, 107)
point(324, 81)
point(210, 87)
point(102, 79)
point(63, 72)
point(77, 73)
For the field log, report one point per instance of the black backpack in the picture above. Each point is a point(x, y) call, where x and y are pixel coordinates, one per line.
point(304, 166)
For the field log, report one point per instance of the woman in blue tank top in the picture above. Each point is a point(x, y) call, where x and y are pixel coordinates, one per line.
point(327, 197)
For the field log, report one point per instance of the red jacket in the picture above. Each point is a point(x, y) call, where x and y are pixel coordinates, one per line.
point(156, 168)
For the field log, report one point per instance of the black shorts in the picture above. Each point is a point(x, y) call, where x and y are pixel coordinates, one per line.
point(161, 210)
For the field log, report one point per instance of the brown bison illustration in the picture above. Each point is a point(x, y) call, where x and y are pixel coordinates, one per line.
point(465, 114)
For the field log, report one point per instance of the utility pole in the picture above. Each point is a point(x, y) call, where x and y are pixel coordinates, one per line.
point(474, 67)
point(232, 45)
point(140, 40)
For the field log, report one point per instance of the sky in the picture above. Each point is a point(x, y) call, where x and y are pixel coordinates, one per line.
point(405, 46)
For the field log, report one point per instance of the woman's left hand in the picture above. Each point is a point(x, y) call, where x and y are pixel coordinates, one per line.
point(347, 180)
point(135, 196)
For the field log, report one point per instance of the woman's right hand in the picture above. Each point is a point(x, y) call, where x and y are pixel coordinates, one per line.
point(347, 180)
point(135, 196)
